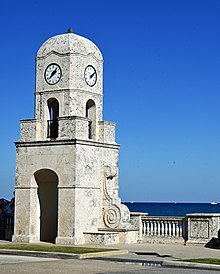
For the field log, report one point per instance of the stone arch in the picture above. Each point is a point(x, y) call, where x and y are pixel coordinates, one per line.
point(47, 193)
point(53, 108)
point(91, 114)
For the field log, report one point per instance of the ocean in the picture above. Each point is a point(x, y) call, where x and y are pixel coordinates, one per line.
point(172, 209)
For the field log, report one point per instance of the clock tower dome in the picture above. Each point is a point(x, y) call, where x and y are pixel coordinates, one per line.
point(68, 69)
point(66, 188)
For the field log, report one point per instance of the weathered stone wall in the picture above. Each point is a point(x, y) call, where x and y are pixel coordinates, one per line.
point(79, 166)
point(202, 227)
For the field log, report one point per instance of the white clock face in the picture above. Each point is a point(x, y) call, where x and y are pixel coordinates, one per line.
point(90, 75)
point(53, 74)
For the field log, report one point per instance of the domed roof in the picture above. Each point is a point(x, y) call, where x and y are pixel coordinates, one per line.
point(69, 43)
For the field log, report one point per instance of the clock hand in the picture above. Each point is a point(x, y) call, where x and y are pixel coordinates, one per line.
point(53, 73)
point(92, 75)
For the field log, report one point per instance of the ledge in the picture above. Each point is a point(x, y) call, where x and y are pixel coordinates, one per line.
point(115, 230)
point(203, 215)
point(139, 214)
point(66, 142)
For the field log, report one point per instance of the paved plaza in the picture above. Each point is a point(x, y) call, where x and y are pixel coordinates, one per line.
point(27, 265)
point(141, 258)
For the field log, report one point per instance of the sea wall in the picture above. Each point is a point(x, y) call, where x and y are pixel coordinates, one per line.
point(194, 229)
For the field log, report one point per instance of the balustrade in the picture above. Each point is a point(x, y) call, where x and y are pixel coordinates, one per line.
point(164, 227)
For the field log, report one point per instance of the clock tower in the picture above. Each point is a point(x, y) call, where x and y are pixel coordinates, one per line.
point(66, 188)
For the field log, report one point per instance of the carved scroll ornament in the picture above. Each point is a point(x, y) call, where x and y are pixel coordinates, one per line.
point(112, 215)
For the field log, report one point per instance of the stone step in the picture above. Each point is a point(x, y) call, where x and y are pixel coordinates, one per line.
point(111, 236)
point(105, 238)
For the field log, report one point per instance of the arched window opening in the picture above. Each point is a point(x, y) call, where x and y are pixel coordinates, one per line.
point(52, 127)
point(91, 114)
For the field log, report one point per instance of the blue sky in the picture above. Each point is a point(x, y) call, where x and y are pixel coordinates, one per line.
point(161, 87)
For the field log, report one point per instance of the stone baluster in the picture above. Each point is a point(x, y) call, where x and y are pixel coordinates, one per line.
point(166, 229)
point(169, 229)
point(152, 228)
point(155, 228)
point(177, 229)
point(144, 228)
point(162, 228)
point(148, 228)
point(159, 228)
point(173, 228)
point(181, 229)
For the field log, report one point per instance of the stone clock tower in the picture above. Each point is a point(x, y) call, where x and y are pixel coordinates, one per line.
point(67, 159)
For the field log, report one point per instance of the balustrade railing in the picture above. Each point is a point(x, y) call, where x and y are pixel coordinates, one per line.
point(170, 228)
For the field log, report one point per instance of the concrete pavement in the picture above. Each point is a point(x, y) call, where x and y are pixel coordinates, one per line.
point(156, 255)
point(168, 255)
point(168, 251)
point(73, 266)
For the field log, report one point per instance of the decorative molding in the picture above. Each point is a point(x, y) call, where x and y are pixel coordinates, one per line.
point(52, 91)
point(68, 54)
point(66, 142)
point(111, 215)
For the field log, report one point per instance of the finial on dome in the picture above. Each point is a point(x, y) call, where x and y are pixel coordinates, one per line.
point(70, 30)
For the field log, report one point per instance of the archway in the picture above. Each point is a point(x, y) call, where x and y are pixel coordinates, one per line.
point(47, 181)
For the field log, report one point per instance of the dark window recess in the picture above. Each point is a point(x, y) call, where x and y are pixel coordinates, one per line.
point(52, 129)
point(90, 130)
point(52, 124)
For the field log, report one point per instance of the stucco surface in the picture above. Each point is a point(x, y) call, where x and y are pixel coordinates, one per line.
point(69, 43)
